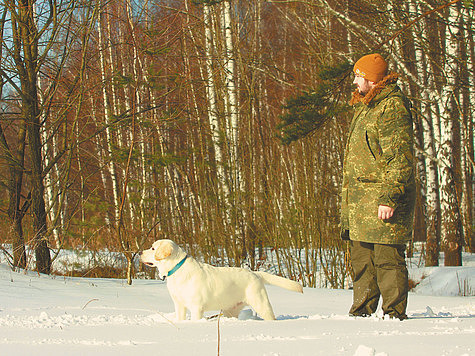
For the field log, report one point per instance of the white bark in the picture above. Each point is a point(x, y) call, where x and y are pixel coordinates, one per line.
point(421, 66)
point(349, 35)
point(230, 103)
point(449, 207)
point(447, 96)
point(469, 19)
point(51, 202)
point(100, 158)
point(230, 77)
point(108, 116)
point(134, 96)
point(195, 199)
point(429, 180)
point(468, 183)
point(211, 91)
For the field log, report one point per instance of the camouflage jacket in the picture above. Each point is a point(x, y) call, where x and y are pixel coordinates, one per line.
point(378, 167)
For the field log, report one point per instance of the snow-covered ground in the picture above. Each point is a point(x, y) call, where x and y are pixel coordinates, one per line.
point(45, 315)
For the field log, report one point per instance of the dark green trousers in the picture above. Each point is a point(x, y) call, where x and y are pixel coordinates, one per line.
point(379, 270)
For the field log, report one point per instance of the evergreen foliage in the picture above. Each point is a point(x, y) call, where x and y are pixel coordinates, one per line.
point(309, 111)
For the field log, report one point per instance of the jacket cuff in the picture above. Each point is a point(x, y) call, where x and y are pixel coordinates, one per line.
point(386, 199)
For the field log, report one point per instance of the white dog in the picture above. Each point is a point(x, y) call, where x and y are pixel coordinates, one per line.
point(199, 287)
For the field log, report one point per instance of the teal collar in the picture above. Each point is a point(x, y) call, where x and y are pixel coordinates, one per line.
point(179, 264)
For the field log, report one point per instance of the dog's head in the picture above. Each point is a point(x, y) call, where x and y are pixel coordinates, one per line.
point(164, 254)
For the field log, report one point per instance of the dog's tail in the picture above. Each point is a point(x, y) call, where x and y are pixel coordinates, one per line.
point(280, 282)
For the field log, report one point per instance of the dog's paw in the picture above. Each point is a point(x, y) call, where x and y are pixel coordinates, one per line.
point(248, 314)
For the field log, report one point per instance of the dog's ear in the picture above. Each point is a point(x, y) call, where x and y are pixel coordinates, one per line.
point(163, 251)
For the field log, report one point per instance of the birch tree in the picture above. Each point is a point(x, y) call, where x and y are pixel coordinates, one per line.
point(451, 223)
point(467, 136)
point(429, 177)
point(105, 52)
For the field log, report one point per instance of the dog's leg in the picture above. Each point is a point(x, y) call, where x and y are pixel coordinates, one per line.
point(180, 311)
point(265, 311)
point(234, 311)
point(196, 313)
point(259, 301)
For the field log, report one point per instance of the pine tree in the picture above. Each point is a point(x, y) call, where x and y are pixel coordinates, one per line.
point(309, 111)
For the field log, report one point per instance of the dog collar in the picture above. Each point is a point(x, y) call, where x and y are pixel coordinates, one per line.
point(179, 264)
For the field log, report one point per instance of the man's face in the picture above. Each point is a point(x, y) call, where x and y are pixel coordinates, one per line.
point(363, 85)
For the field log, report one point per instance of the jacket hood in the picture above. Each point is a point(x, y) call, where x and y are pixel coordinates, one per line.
point(383, 83)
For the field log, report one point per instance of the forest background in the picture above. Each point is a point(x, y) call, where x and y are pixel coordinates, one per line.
point(221, 125)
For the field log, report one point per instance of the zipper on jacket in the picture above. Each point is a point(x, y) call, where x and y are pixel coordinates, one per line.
point(369, 146)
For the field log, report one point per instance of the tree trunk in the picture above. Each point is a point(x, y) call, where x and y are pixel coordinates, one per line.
point(108, 116)
point(30, 112)
point(451, 223)
point(468, 162)
point(211, 91)
point(15, 211)
point(430, 205)
point(26, 59)
point(15, 160)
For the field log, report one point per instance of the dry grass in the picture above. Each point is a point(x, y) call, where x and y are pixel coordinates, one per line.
point(413, 283)
point(465, 287)
point(95, 272)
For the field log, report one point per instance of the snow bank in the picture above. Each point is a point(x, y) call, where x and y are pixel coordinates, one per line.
point(46, 315)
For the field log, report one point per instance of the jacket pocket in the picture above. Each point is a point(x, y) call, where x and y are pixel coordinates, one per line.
point(367, 179)
point(369, 146)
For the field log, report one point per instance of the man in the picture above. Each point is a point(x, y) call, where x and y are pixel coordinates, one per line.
point(378, 192)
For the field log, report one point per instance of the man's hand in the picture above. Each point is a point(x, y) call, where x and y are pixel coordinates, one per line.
point(385, 212)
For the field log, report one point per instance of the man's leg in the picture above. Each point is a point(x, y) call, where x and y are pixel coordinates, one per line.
point(365, 288)
point(391, 271)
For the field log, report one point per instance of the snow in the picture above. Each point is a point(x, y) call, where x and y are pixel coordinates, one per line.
point(47, 315)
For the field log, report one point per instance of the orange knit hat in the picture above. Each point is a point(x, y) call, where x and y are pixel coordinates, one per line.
point(372, 67)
